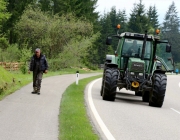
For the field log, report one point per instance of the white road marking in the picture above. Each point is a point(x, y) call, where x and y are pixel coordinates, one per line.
point(103, 127)
point(175, 110)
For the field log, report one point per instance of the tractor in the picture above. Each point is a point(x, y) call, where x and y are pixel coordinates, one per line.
point(139, 64)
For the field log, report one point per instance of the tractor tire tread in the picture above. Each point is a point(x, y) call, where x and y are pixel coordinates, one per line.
point(110, 84)
point(157, 97)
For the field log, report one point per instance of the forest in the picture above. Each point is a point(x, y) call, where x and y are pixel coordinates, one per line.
point(72, 34)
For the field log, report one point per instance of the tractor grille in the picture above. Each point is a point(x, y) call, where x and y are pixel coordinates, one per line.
point(137, 67)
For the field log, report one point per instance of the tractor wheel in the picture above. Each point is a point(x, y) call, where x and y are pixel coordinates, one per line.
point(102, 85)
point(159, 89)
point(145, 96)
point(110, 84)
point(138, 93)
point(101, 92)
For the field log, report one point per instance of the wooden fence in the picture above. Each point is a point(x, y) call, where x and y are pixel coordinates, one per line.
point(11, 66)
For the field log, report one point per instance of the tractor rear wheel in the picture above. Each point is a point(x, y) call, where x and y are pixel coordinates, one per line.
point(110, 84)
point(159, 89)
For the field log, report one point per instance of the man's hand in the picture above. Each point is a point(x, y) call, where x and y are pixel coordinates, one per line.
point(29, 71)
point(132, 50)
point(45, 71)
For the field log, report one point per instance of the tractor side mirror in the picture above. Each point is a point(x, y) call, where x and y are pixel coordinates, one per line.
point(168, 48)
point(108, 40)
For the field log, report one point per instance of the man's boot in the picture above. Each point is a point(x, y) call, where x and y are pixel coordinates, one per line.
point(34, 90)
point(38, 91)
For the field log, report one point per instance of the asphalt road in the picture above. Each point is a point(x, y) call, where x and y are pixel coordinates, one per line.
point(26, 116)
point(128, 118)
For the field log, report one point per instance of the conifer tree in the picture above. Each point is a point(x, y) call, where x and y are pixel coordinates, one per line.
point(15, 8)
point(170, 30)
point(138, 21)
point(153, 17)
point(122, 20)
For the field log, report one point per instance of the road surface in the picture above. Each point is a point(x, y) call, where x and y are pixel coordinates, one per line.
point(128, 118)
point(26, 116)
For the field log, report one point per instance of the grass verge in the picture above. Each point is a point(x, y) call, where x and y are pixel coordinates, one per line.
point(73, 120)
point(12, 81)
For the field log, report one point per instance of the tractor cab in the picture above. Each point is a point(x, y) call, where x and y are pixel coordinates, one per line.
point(131, 51)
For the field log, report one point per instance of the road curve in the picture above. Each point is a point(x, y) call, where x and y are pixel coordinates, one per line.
point(128, 118)
point(26, 116)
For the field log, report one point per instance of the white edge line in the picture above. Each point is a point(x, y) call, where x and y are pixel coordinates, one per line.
point(175, 110)
point(103, 127)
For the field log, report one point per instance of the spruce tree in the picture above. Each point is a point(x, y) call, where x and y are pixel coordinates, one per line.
point(138, 21)
point(4, 15)
point(122, 20)
point(80, 8)
point(170, 30)
point(15, 8)
point(153, 17)
point(46, 5)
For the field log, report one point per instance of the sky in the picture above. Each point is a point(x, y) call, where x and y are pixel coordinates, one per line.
point(161, 5)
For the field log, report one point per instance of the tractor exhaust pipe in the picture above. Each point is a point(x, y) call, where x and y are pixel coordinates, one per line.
point(144, 45)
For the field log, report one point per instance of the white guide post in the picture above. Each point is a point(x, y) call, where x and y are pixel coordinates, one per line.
point(77, 77)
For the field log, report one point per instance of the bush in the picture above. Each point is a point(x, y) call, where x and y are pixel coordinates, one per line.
point(4, 43)
point(24, 69)
point(54, 64)
point(10, 54)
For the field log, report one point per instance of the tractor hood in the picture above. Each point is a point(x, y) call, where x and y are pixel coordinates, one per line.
point(136, 65)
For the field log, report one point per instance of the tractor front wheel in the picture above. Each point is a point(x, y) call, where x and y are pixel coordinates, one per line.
point(159, 89)
point(110, 84)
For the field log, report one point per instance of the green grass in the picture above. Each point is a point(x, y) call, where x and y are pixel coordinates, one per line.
point(13, 82)
point(8, 85)
point(73, 120)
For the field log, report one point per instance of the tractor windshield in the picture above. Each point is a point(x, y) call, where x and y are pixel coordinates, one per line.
point(133, 48)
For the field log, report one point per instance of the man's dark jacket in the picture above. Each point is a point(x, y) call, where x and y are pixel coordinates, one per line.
point(43, 63)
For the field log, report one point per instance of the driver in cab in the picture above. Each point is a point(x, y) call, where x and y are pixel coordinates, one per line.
point(133, 49)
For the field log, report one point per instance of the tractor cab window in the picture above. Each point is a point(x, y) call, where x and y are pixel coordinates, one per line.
point(133, 48)
point(130, 47)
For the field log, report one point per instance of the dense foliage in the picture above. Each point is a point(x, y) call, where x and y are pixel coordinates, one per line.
point(71, 33)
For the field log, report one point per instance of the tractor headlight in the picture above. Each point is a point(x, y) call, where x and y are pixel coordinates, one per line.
point(140, 74)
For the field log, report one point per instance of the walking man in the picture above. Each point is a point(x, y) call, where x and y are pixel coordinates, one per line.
point(38, 65)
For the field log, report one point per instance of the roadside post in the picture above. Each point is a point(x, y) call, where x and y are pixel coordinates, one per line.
point(77, 77)
point(177, 71)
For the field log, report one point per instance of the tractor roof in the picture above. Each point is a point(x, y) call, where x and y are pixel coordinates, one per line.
point(138, 35)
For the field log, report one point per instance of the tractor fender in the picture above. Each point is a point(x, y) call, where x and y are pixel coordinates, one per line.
point(159, 71)
point(158, 68)
point(109, 58)
point(111, 61)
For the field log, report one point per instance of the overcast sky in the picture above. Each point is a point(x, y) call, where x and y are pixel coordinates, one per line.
point(161, 5)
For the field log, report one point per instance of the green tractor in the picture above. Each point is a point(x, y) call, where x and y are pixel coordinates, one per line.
point(139, 64)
